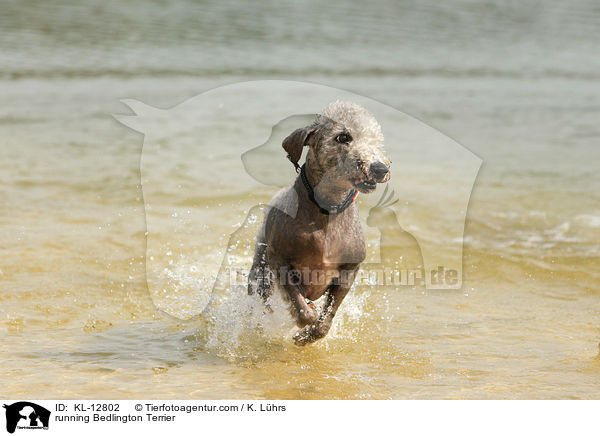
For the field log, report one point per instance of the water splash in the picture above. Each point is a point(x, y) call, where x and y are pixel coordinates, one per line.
point(239, 327)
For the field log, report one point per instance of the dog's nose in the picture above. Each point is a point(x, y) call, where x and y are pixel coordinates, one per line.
point(378, 170)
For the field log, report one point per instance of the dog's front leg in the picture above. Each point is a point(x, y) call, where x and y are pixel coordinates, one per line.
point(305, 314)
point(260, 277)
point(336, 293)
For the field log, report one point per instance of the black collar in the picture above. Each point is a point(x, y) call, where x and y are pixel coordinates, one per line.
point(327, 210)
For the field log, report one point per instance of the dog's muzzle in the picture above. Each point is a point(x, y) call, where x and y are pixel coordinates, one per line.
point(379, 171)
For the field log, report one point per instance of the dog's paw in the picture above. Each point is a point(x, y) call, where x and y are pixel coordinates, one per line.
point(305, 335)
point(311, 333)
point(307, 317)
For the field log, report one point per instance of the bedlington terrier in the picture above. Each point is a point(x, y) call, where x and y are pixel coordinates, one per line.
point(311, 242)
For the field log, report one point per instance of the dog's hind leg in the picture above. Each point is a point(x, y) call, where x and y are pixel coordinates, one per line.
point(260, 279)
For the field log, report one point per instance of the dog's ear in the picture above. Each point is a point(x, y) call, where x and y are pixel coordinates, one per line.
point(294, 143)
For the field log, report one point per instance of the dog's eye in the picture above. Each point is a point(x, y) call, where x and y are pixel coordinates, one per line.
point(343, 138)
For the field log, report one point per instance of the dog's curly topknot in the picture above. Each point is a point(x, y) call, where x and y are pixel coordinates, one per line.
point(354, 116)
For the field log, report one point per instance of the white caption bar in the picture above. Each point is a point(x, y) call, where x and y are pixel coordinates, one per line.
point(89, 417)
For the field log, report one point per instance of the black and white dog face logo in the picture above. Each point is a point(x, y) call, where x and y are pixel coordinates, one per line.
point(24, 414)
point(28, 417)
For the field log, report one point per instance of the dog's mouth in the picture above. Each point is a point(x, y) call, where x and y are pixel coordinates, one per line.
point(364, 186)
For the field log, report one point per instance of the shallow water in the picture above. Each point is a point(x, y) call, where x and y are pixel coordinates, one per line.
point(517, 84)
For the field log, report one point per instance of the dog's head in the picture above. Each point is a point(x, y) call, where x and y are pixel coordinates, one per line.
point(346, 146)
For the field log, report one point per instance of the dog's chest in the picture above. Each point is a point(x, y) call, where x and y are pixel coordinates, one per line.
point(324, 253)
point(337, 243)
